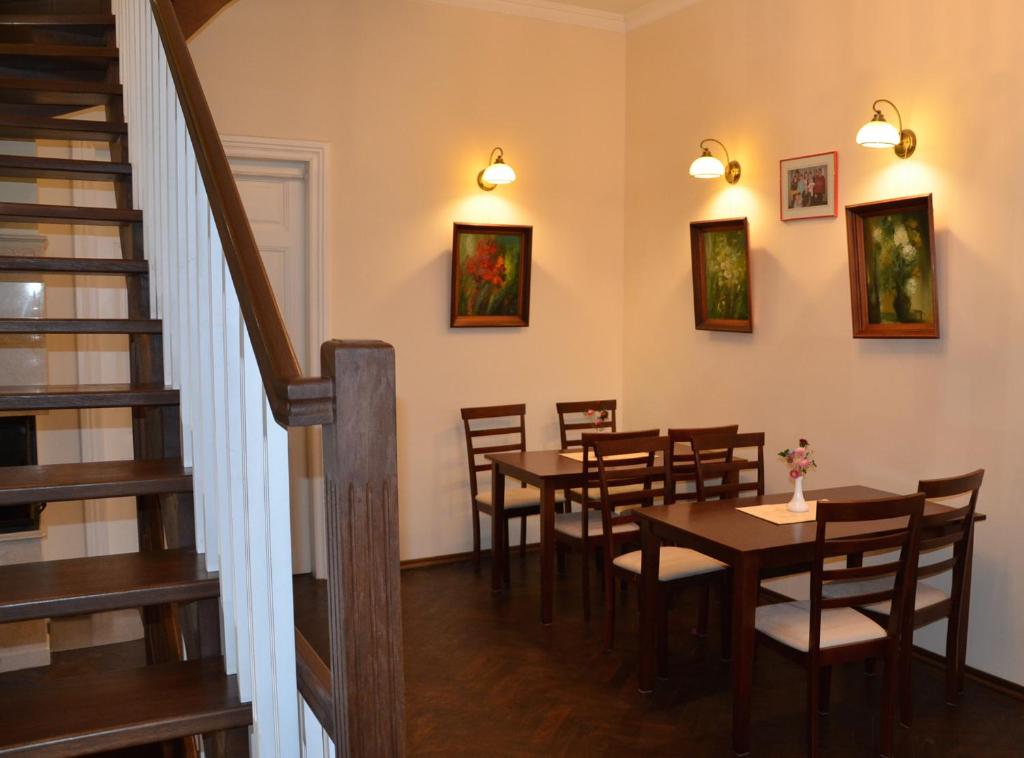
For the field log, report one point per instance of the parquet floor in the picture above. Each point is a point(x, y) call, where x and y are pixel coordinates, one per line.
point(484, 678)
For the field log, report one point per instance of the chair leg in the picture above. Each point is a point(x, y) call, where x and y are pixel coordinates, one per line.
point(703, 608)
point(953, 646)
point(890, 684)
point(507, 563)
point(476, 538)
point(813, 692)
point(609, 610)
point(906, 684)
point(585, 583)
point(664, 604)
point(522, 536)
point(824, 689)
point(726, 620)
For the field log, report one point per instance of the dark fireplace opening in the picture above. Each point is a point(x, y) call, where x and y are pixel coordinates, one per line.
point(18, 448)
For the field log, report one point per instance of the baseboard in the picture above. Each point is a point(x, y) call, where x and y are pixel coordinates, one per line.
point(991, 681)
point(442, 560)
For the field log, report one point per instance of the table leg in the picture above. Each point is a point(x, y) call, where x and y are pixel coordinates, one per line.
point(547, 553)
point(965, 612)
point(744, 608)
point(650, 560)
point(498, 556)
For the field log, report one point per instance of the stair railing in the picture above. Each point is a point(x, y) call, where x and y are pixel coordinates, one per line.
point(227, 350)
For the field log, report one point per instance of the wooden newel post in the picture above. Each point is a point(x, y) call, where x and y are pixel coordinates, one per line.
point(360, 469)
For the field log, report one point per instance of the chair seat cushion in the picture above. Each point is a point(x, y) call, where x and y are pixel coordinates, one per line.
point(571, 524)
point(675, 563)
point(790, 624)
point(515, 498)
point(594, 493)
point(798, 587)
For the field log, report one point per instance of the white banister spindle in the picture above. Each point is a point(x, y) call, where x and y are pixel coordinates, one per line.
point(237, 451)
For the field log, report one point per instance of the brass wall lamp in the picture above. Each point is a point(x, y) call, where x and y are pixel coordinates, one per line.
point(881, 134)
point(497, 171)
point(707, 166)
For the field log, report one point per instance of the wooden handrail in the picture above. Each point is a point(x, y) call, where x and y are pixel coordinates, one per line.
point(296, 400)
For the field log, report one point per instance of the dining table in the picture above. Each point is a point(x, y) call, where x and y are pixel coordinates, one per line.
point(550, 471)
point(753, 549)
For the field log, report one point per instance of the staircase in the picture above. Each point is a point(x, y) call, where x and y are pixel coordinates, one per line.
point(53, 63)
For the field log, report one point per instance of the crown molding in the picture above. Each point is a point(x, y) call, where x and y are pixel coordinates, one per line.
point(653, 11)
point(546, 11)
point(561, 13)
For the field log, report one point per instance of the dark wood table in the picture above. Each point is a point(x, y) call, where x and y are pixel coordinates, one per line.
point(549, 471)
point(752, 547)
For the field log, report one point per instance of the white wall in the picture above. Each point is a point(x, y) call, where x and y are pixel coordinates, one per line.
point(792, 77)
point(411, 98)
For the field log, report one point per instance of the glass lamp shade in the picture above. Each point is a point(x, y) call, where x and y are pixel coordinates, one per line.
point(878, 133)
point(707, 166)
point(498, 173)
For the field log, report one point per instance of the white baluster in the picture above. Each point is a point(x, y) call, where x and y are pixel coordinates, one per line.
point(236, 473)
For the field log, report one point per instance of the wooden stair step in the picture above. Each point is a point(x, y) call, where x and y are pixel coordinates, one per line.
point(108, 710)
point(69, 53)
point(80, 326)
point(86, 481)
point(34, 264)
point(62, 168)
point(57, 91)
point(55, 396)
point(49, 589)
point(67, 214)
point(41, 127)
point(69, 19)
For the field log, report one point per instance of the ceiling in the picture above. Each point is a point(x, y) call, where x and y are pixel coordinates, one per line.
point(611, 6)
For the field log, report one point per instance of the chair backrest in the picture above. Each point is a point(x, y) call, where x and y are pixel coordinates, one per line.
point(514, 431)
point(591, 475)
point(715, 459)
point(568, 427)
point(952, 528)
point(639, 465)
point(862, 526)
point(683, 467)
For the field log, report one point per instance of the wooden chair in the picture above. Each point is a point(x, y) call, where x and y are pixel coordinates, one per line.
point(715, 459)
point(946, 530)
point(683, 472)
point(828, 630)
point(572, 425)
point(643, 463)
point(567, 427)
point(582, 531)
point(519, 502)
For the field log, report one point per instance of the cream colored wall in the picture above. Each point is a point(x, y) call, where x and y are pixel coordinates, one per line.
point(792, 77)
point(411, 97)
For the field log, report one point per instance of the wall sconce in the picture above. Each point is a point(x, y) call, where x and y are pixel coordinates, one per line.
point(880, 133)
point(497, 171)
point(707, 166)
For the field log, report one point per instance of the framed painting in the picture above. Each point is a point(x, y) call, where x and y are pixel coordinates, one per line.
point(809, 186)
point(721, 275)
point(892, 268)
point(491, 275)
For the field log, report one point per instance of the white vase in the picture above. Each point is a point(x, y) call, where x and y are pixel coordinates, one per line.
point(798, 504)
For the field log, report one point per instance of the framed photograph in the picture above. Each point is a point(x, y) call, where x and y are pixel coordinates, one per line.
point(721, 275)
point(892, 268)
point(809, 186)
point(491, 275)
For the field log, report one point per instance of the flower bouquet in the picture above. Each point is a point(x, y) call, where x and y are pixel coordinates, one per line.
point(800, 461)
point(597, 417)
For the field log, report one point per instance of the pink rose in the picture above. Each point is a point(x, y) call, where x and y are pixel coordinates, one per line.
point(794, 474)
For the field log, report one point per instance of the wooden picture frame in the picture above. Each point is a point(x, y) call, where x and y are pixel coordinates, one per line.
point(491, 275)
point(893, 279)
point(809, 186)
point(720, 252)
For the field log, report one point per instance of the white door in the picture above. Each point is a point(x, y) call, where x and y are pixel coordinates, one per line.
point(275, 197)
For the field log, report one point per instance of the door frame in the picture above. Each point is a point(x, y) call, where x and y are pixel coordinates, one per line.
point(309, 161)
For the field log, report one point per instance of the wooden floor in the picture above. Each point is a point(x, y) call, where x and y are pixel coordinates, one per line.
point(483, 677)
